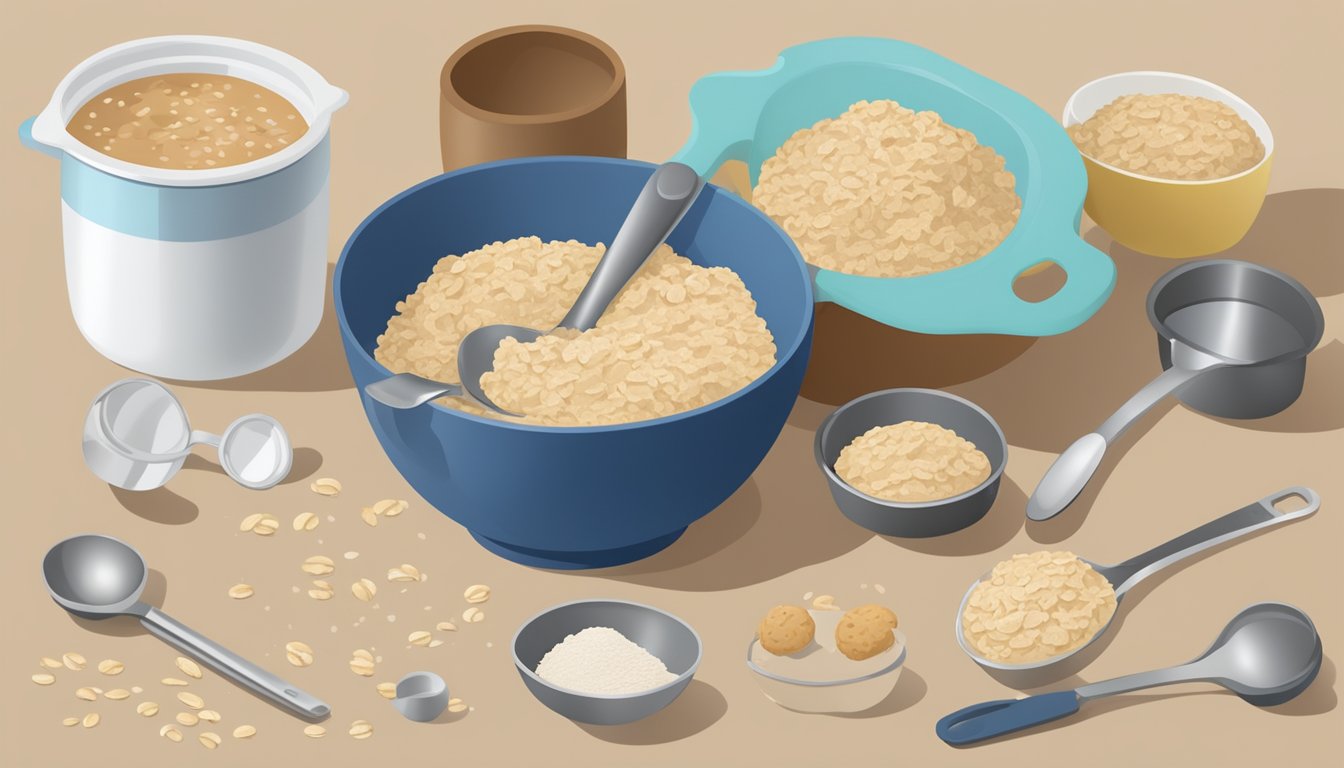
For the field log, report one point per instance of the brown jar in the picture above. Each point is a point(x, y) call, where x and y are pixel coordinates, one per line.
point(531, 90)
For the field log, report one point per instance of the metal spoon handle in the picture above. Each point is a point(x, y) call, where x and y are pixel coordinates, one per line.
point(1070, 473)
point(233, 666)
point(666, 197)
point(407, 390)
point(1192, 672)
point(1249, 519)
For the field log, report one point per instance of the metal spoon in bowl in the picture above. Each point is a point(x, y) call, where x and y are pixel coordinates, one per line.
point(1125, 576)
point(1268, 654)
point(98, 577)
point(666, 197)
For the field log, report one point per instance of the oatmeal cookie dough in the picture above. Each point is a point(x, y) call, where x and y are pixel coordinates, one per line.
point(866, 631)
point(786, 629)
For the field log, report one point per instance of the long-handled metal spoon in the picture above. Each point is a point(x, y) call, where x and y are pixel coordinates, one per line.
point(665, 198)
point(98, 577)
point(1268, 654)
point(1127, 575)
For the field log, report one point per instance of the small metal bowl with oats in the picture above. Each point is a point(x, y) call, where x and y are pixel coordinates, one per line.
point(907, 519)
point(660, 633)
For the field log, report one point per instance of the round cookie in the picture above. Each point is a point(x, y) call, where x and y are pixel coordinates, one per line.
point(786, 629)
point(865, 631)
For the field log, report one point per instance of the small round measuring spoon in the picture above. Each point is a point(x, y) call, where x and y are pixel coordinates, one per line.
point(1123, 577)
point(1267, 654)
point(98, 577)
point(136, 436)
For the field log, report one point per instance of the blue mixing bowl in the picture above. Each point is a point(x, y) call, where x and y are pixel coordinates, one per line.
point(571, 497)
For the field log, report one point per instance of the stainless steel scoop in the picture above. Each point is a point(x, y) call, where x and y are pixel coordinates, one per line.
point(1123, 577)
point(98, 577)
point(1267, 654)
point(1233, 338)
point(666, 197)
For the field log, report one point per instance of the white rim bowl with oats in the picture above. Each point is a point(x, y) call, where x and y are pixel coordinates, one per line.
point(819, 679)
point(1094, 95)
point(663, 635)
point(196, 274)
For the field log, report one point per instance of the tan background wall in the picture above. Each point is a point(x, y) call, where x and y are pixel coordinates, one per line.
point(780, 536)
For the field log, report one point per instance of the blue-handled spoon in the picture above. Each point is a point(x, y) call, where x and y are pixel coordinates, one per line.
point(1267, 654)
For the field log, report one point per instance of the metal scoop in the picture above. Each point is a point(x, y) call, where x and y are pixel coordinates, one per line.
point(666, 197)
point(1233, 338)
point(98, 577)
point(1268, 654)
point(1127, 575)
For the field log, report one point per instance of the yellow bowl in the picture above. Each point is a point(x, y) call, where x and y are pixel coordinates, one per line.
point(1165, 217)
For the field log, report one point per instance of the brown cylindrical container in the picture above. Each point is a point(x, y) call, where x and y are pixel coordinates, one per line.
point(531, 90)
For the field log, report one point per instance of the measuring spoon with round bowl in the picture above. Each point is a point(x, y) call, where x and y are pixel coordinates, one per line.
point(1124, 576)
point(661, 204)
point(1267, 654)
point(98, 577)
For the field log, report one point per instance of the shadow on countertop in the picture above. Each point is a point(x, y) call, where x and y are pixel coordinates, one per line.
point(697, 708)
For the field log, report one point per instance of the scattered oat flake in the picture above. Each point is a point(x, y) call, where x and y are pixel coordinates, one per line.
point(387, 690)
point(44, 679)
point(305, 521)
point(73, 661)
point(69, 721)
point(241, 591)
point(244, 732)
point(435, 643)
point(807, 595)
point(50, 663)
point(881, 590)
point(147, 708)
point(208, 716)
point(187, 718)
point(117, 694)
point(457, 705)
point(364, 589)
point(318, 565)
point(361, 729)
point(351, 555)
point(191, 699)
point(476, 593)
point(369, 517)
point(250, 522)
point(170, 733)
point(824, 603)
point(326, 486)
point(111, 667)
point(173, 681)
point(473, 615)
point(314, 731)
point(418, 637)
point(403, 572)
point(87, 694)
point(299, 654)
point(446, 626)
point(209, 740)
point(91, 719)
point(188, 667)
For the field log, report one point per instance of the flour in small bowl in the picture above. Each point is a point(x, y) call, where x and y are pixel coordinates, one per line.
point(603, 661)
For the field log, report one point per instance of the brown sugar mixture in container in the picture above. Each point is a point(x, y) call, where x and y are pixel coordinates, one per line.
point(188, 121)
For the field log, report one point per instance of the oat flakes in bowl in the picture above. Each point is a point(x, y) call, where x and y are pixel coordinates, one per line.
point(927, 509)
point(1198, 189)
point(575, 510)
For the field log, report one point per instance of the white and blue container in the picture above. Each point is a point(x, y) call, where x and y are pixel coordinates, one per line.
point(194, 274)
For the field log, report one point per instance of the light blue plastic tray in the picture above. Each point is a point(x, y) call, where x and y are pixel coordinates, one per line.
point(747, 115)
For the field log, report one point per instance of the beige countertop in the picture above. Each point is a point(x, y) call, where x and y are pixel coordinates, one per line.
point(779, 536)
